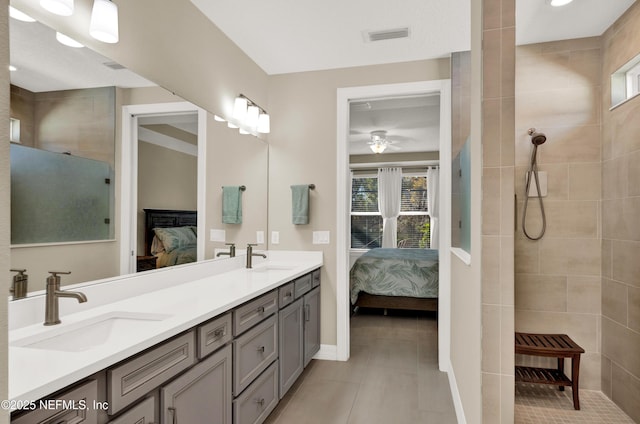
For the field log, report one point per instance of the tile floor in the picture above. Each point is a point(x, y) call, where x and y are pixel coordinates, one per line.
point(391, 377)
point(538, 404)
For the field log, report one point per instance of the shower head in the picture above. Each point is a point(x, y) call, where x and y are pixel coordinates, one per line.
point(536, 137)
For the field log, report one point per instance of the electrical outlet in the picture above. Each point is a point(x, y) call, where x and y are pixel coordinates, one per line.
point(217, 235)
point(260, 237)
point(321, 237)
point(275, 237)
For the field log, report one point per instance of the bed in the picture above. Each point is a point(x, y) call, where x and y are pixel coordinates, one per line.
point(170, 236)
point(396, 279)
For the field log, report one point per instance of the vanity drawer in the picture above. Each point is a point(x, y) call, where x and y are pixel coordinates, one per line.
point(251, 313)
point(142, 413)
point(255, 404)
point(315, 278)
point(86, 392)
point(213, 335)
point(285, 294)
point(136, 377)
point(302, 285)
point(253, 352)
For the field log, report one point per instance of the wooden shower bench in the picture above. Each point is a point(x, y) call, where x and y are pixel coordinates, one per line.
point(550, 345)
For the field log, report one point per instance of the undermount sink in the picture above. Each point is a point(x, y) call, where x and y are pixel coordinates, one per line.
point(91, 333)
point(272, 267)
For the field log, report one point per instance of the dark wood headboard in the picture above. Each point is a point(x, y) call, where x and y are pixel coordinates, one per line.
point(164, 218)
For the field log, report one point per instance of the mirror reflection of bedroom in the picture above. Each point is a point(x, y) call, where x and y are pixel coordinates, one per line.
point(167, 190)
point(393, 258)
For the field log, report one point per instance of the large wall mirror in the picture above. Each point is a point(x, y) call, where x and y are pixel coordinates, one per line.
point(66, 107)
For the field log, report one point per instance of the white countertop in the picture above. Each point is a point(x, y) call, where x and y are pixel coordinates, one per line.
point(35, 373)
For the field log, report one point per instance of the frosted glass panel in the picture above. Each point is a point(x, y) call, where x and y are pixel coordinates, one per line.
point(59, 198)
point(461, 199)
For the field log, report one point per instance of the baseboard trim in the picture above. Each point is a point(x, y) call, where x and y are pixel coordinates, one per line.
point(455, 395)
point(327, 353)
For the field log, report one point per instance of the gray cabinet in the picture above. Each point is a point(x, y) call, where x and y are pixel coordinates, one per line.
point(72, 412)
point(254, 311)
point(290, 345)
point(311, 324)
point(142, 413)
point(253, 352)
point(255, 404)
point(214, 334)
point(200, 395)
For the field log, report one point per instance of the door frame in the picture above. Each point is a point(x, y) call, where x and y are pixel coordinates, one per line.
point(344, 96)
point(129, 175)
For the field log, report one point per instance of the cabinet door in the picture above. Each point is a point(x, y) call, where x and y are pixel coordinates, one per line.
point(290, 345)
point(78, 408)
point(253, 352)
point(311, 324)
point(200, 395)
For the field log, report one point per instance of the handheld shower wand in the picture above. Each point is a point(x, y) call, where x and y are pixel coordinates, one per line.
point(536, 139)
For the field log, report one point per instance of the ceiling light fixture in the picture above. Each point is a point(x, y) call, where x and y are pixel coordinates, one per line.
point(378, 142)
point(104, 21)
point(248, 116)
point(21, 16)
point(558, 3)
point(59, 7)
point(68, 41)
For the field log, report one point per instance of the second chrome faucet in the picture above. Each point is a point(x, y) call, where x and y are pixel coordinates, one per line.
point(51, 311)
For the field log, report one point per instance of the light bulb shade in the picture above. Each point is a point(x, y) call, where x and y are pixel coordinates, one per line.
point(59, 7)
point(67, 41)
point(21, 16)
point(253, 113)
point(378, 147)
point(240, 109)
point(264, 123)
point(104, 21)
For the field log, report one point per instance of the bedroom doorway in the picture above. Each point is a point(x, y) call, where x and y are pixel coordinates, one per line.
point(171, 133)
point(354, 103)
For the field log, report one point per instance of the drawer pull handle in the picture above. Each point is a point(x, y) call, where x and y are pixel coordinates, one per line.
point(287, 296)
point(260, 310)
point(218, 334)
point(260, 349)
point(174, 412)
point(307, 312)
point(260, 402)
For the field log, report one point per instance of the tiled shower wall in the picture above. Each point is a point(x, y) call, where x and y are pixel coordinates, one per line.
point(621, 224)
point(557, 280)
point(498, 68)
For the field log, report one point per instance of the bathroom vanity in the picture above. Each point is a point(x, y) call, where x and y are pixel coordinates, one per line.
point(219, 348)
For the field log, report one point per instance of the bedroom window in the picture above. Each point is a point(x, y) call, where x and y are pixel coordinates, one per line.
point(366, 221)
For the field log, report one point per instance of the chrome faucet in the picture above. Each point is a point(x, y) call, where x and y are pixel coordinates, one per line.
point(19, 285)
point(231, 252)
point(250, 254)
point(51, 311)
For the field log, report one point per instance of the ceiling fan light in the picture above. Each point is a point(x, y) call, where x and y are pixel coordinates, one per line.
point(21, 16)
point(378, 147)
point(58, 7)
point(104, 21)
point(264, 123)
point(68, 41)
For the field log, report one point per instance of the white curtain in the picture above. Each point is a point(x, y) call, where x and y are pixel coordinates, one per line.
point(389, 198)
point(433, 203)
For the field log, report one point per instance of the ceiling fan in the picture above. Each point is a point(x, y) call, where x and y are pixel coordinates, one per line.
point(379, 141)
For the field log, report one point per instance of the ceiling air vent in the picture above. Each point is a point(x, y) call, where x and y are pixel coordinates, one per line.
point(387, 34)
point(113, 65)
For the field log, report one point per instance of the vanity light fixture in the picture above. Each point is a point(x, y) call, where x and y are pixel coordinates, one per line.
point(558, 3)
point(247, 116)
point(21, 16)
point(68, 41)
point(104, 21)
point(58, 7)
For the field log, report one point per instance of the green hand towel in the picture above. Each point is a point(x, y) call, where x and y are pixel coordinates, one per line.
point(300, 204)
point(231, 205)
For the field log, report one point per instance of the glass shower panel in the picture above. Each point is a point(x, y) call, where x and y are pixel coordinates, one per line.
point(56, 197)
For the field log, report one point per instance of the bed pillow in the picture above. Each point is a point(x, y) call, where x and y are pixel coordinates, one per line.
point(175, 237)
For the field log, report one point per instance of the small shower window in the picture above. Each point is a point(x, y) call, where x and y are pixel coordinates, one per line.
point(625, 82)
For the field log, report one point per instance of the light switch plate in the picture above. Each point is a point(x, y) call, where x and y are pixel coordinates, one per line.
point(217, 235)
point(275, 237)
point(321, 237)
point(260, 237)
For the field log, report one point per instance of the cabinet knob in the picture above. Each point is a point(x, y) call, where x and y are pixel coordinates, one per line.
point(260, 310)
point(260, 401)
point(219, 333)
point(260, 349)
